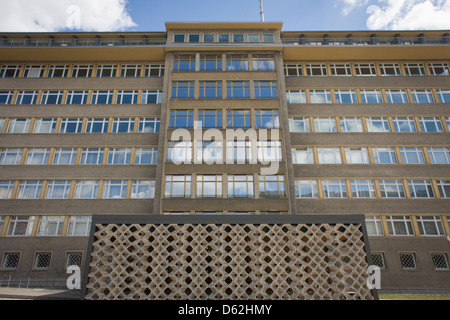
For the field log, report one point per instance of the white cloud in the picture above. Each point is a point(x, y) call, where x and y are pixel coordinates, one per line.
point(409, 15)
point(349, 5)
point(51, 15)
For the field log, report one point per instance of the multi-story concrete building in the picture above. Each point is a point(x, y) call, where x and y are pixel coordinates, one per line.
point(359, 124)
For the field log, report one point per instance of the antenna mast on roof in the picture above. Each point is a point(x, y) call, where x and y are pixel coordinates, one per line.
point(261, 10)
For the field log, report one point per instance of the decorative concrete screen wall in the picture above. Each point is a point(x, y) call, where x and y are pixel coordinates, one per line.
point(227, 257)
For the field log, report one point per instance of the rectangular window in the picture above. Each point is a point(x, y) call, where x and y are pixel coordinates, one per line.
point(178, 38)
point(404, 124)
point(142, 189)
point(64, 156)
point(345, 96)
point(194, 38)
point(11, 260)
point(37, 156)
point(27, 97)
point(365, 69)
point(239, 152)
point(102, 96)
point(148, 125)
point(391, 189)
point(263, 63)
point(265, 89)
point(119, 155)
point(184, 63)
point(20, 225)
point(154, 70)
point(106, 70)
point(86, 189)
point(71, 125)
point(50, 226)
point(146, 156)
point(408, 261)
point(52, 97)
point(329, 155)
point(295, 96)
point(240, 186)
point(439, 69)
point(439, 155)
point(224, 38)
point(183, 90)
point(17, 125)
point(384, 155)
point(238, 119)
point(316, 70)
point(374, 226)
point(390, 69)
point(414, 69)
point(9, 71)
point(325, 124)
point(30, 189)
point(77, 96)
point(178, 186)
point(210, 119)
point(79, 226)
point(209, 186)
point(253, 38)
point(237, 62)
point(210, 152)
point(303, 155)
point(440, 261)
point(431, 124)
point(351, 124)
point(299, 124)
point(238, 38)
point(422, 96)
point(371, 96)
point(357, 155)
point(293, 70)
point(363, 189)
point(123, 125)
point(130, 70)
point(181, 119)
point(306, 189)
point(320, 96)
point(42, 260)
point(208, 38)
point(397, 96)
point(430, 226)
point(97, 125)
point(152, 97)
point(127, 97)
point(10, 156)
point(412, 155)
point(269, 151)
point(377, 124)
point(271, 186)
point(6, 189)
point(58, 189)
point(210, 62)
point(58, 71)
point(420, 189)
point(6, 96)
point(74, 259)
point(400, 226)
point(35, 71)
point(238, 90)
point(114, 189)
point(267, 119)
point(443, 95)
point(82, 71)
point(92, 156)
point(444, 188)
point(210, 90)
point(341, 69)
point(334, 189)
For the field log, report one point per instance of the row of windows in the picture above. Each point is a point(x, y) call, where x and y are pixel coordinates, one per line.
point(370, 124)
point(81, 70)
point(79, 125)
point(372, 189)
point(394, 69)
point(350, 96)
point(223, 62)
point(409, 262)
point(371, 155)
point(233, 89)
point(386, 225)
point(216, 186)
point(264, 119)
point(42, 260)
point(69, 156)
point(28, 97)
point(223, 37)
point(77, 189)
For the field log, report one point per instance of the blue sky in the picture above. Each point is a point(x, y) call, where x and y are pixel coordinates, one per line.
point(150, 15)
